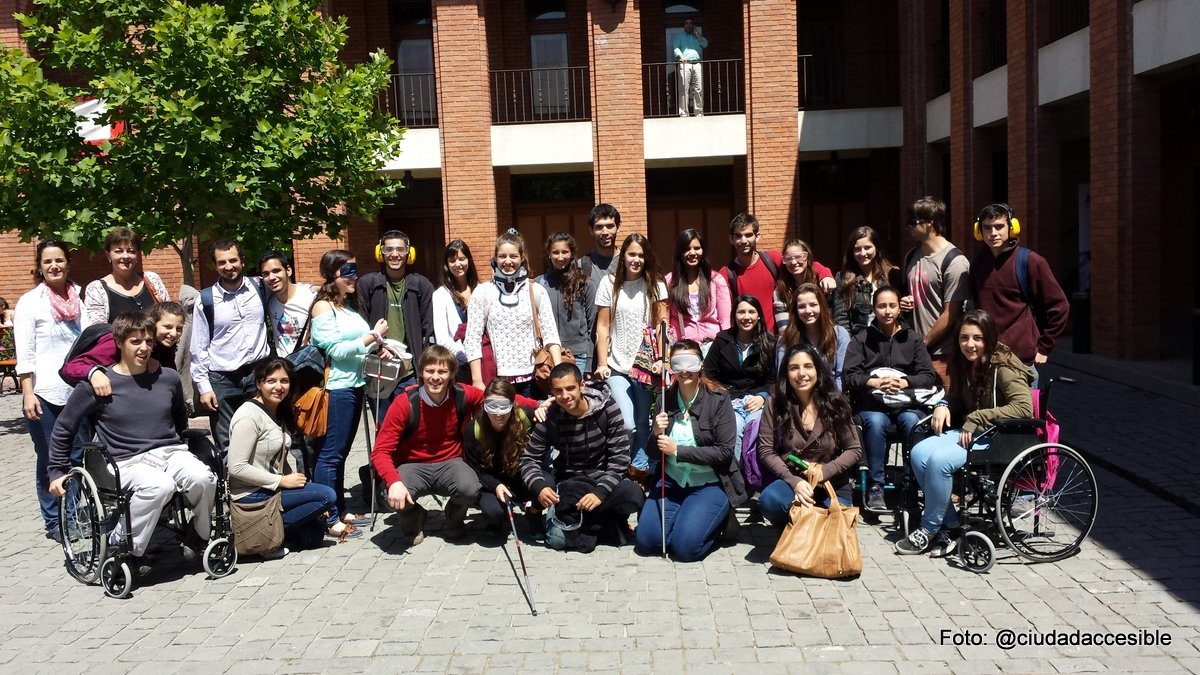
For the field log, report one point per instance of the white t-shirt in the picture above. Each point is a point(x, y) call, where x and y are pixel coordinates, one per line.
point(288, 319)
point(627, 319)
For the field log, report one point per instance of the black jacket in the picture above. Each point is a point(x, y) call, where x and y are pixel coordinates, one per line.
point(741, 379)
point(418, 307)
point(870, 349)
point(715, 430)
point(595, 446)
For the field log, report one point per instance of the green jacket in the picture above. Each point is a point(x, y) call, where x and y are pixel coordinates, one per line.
point(1005, 394)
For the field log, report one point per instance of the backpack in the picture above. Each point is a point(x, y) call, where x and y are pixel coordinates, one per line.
point(913, 256)
point(731, 271)
point(206, 305)
point(86, 340)
point(414, 409)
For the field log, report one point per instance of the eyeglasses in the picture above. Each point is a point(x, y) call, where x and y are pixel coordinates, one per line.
point(913, 223)
point(348, 271)
point(788, 259)
point(402, 250)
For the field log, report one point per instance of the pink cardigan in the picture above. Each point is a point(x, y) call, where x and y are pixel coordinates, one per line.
point(712, 321)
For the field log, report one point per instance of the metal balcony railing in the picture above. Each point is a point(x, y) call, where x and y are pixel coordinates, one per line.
point(412, 99)
point(1063, 18)
point(540, 95)
point(849, 80)
point(721, 88)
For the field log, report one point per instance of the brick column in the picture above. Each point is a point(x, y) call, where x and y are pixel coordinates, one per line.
point(914, 94)
point(465, 120)
point(1125, 154)
point(772, 126)
point(618, 144)
point(964, 165)
point(1034, 156)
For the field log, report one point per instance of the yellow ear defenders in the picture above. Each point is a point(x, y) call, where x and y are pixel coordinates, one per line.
point(412, 254)
point(1014, 225)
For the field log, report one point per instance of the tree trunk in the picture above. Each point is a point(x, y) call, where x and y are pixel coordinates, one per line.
point(184, 250)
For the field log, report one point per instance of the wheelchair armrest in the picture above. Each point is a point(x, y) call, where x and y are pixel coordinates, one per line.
point(1015, 424)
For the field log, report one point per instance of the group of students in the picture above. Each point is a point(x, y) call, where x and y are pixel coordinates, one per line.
point(774, 354)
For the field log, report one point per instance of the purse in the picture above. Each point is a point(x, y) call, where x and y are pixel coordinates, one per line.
point(543, 360)
point(820, 542)
point(312, 409)
point(258, 526)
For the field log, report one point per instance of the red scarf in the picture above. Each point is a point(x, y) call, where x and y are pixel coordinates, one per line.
point(64, 308)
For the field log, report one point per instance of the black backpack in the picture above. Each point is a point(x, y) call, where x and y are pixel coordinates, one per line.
point(84, 343)
point(733, 269)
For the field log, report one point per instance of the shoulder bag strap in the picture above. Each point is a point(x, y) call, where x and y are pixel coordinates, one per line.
point(537, 325)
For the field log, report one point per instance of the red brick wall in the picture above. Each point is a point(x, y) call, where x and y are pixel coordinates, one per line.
point(915, 59)
point(616, 85)
point(468, 184)
point(772, 148)
point(1125, 154)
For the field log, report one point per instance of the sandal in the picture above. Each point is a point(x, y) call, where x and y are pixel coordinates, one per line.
point(348, 532)
point(356, 520)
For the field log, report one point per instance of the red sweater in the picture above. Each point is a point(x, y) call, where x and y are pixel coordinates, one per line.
point(437, 438)
point(757, 280)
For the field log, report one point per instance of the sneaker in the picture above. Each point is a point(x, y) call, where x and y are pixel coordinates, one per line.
point(945, 543)
point(916, 543)
point(456, 527)
point(140, 565)
point(1022, 507)
point(192, 546)
point(875, 500)
point(416, 528)
point(54, 535)
point(275, 554)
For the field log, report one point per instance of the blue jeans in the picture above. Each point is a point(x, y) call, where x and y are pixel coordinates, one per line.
point(634, 401)
point(934, 462)
point(741, 418)
point(695, 516)
point(776, 500)
point(345, 407)
point(581, 362)
point(300, 505)
point(875, 425)
point(40, 432)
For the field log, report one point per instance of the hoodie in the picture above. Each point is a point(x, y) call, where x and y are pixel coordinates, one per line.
point(594, 446)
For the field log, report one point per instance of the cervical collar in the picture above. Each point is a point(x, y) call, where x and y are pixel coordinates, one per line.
point(508, 283)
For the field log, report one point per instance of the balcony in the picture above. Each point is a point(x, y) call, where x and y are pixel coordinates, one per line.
point(722, 88)
point(849, 80)
point(412, 99)
point(534, 95)
point(1063, 18)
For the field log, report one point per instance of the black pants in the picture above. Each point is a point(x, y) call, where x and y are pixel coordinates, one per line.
point(625, 500)
point(493, 509)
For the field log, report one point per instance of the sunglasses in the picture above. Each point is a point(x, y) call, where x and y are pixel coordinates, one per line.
point(913, 223)
point(349, 271)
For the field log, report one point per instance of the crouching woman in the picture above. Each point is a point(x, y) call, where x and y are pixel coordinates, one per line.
point(806, 438)
point(694, 438)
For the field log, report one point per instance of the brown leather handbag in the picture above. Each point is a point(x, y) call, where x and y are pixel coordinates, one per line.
point(312, 409)
point(820, 542)
point(258, 526)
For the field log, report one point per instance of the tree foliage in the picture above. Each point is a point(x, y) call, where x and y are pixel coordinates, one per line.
point(240, 122)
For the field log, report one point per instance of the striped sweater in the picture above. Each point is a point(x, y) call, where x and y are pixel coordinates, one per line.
point(594, 446)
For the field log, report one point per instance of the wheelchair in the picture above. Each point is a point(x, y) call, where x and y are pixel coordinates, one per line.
point(1037, 498)
point(94, 501)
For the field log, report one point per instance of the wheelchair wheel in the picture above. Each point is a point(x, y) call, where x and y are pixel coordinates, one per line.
point(1046, 504)
point(116, 578)
point(220, 557)
point(977, 552)
point(82, 527)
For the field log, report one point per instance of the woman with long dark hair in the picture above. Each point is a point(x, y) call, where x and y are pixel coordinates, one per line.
point(504, 310)
point(807, 437)
point(341, 333)
point(493, 440)
point(450, 301)
point(46, 323)
point(699, 297)
point(694, 436)
point(812, 323)
point(987, 382)
point(628, 302)
point(742, 360)
point(571, 291)
point(864, 270)
point(260, 434)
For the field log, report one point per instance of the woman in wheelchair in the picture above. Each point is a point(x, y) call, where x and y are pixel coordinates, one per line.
point(987, 382)
point(140, 426)
point(807, 437)
point(886, 367)
point(259, 436)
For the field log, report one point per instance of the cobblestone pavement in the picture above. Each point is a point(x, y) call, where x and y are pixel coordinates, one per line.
point(369, 605)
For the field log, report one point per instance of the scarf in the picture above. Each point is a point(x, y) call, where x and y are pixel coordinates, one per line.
point(64, 308)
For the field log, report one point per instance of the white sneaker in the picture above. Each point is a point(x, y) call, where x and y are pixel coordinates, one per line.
point(276, 554)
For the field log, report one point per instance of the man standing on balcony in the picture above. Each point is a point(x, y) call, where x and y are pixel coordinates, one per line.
point(689, 49)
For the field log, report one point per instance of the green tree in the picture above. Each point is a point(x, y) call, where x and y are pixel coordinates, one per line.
point(240, 122)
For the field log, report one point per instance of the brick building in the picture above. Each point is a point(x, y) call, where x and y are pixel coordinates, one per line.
point(819, 117)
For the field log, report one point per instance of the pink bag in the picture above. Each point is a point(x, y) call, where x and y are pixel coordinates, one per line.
point(1048, 435)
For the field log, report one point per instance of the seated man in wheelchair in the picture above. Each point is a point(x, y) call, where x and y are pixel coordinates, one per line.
point(890, 379)
point(140, 425)
point(987, 383)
